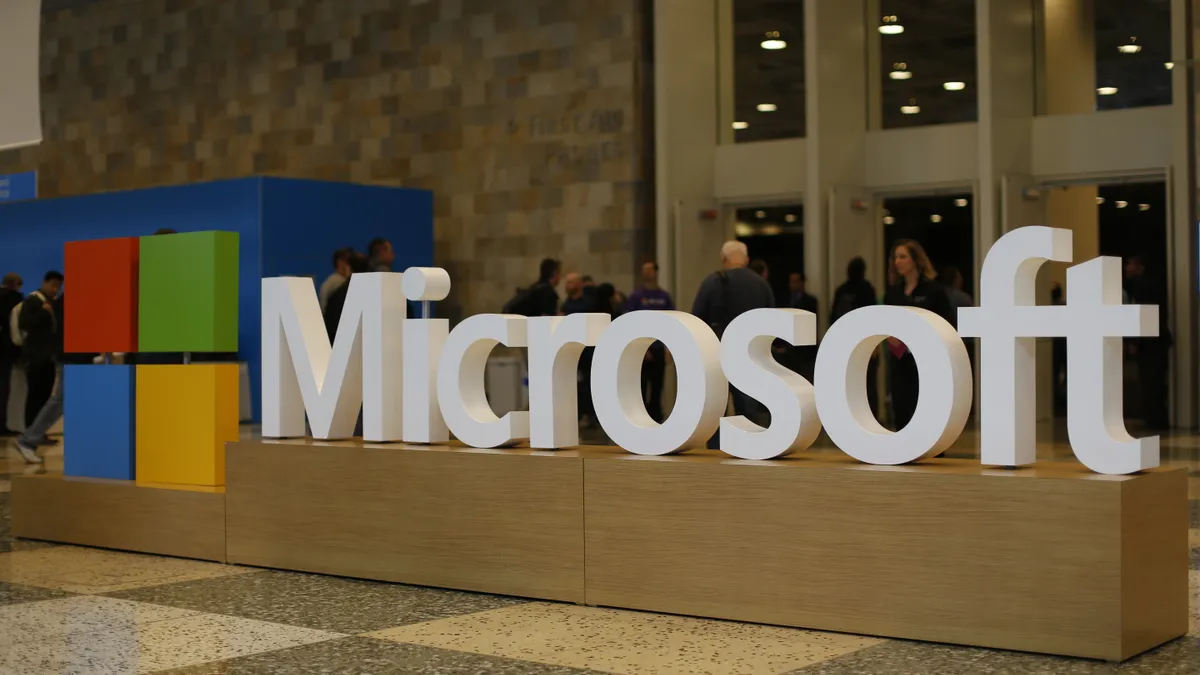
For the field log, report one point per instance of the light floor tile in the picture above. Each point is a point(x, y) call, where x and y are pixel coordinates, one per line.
point(86, 570)
point(159, 645)
point(618, 641)
point(35, 621)
point(1194, 601)
point(1193, 538)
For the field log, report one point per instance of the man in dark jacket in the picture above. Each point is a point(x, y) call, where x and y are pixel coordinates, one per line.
point(10, 297)
point(39, 323)
point(724, 296)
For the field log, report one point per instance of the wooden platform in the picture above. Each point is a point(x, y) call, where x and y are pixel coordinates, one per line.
point(120, 515)
point(1052, 559)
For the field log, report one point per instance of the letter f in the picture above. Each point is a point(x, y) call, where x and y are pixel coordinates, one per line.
point(1007, 321)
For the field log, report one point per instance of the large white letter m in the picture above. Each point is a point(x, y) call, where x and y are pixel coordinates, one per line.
point(302, 373)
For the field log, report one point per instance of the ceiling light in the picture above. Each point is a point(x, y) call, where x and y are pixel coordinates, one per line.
point(900, 72)
point(1131, 48)
point(911, 109)
point(767, 107)
point(1099, 200)
point(772, 41)
point(743, 230)
point(1122, 204)
point(889, 220)
point(935, 218)
point(1143, 207)
point(741, 125)
point(1169, 65)
point(760, 214)
point(771, 230)
point(791, 217)
point(954, 86)
point(960, 202)
point(890, 26)
point(1106, 91)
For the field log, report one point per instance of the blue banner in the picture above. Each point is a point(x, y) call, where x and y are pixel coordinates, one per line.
point(18, 187)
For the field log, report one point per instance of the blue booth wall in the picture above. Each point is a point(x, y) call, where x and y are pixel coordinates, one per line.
point(287, 227)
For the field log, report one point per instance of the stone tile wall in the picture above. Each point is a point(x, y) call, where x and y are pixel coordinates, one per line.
point(525, 117)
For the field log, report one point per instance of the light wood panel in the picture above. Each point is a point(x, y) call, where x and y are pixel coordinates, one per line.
point(1051, 559)
point(506, 522)
point(120, 515)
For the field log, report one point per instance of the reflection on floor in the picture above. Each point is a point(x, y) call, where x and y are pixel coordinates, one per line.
point(65, 609)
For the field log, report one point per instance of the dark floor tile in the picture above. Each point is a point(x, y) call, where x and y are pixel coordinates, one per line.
point(1195, 504)
point(356, 655)
point(1181, 657)
point(1196, 558)
point(14, 594)
point(8, 544)
point(319, 602)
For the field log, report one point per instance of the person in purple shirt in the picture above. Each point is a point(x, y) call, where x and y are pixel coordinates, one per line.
point(654, 368)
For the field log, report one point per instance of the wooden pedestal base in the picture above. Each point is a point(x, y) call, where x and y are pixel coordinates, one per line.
point(188, 523)
point(1052, 559)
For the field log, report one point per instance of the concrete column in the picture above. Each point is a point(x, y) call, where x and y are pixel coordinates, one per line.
point(1069, 46)
point(1182, 193)
point(686, 135)
point(836, 70)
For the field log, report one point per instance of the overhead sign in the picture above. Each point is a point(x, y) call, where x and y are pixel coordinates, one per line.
point(18, 187)
point(20, 59)
point(418, 382)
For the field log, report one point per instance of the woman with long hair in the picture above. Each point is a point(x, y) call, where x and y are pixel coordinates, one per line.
point(911, 283)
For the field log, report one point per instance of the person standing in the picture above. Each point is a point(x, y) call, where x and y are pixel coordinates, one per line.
point(382, 255)
point(911, 284)
point(803, 357)
point(1152, 353)
point(39, 323)
point(579, 301)
point(725, 295)
point(651, 296)
point(355, 264)
point(341, 272)
point(952, 279)
point(10, 353)
point(854, 293)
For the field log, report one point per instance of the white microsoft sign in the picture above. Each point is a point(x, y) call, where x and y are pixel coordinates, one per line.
point(417, 382)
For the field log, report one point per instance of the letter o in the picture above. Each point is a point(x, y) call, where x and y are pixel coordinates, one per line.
point(702, 391)
point(945, 392)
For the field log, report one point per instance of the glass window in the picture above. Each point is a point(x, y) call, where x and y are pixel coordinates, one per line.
point(1133, 53)
point(927, 49)
point(768, 69)
point(944, 225)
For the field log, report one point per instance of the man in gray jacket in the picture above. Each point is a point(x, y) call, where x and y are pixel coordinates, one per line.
point(724, 296)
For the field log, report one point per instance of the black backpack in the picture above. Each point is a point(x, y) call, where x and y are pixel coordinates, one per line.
point(521, 303)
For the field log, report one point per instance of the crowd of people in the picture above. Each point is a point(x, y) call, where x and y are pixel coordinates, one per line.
point(347, 262)
point(31, 339)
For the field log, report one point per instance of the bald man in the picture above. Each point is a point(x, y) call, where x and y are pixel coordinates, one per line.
point(724, 296)
point(576, 302)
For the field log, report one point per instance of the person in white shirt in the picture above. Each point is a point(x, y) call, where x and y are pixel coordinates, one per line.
point(341, 274)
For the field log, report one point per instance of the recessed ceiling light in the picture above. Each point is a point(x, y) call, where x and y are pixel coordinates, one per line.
point(891, 26)
point(960, 202)
point(954, 86)
point(767, 107)
point(1169, 65)
point(888, 220)
point(1099, 200)
point(912, 109)
point(935, 218)
point(1122, 204)
point(1143, 207)
point(741, 125)
point(791, 217)
point(900, 72)
point(771, 230)
point(760, 214)
point(1132, 47)
point(772, 41)
point(1106, 91)
point(743, 230)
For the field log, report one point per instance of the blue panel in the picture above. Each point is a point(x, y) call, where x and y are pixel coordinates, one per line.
point(18, 187)
point(98, 421)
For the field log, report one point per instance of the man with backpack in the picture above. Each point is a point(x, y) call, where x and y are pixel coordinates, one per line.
point(726, 295)
point(540, 299)
point(37, 331)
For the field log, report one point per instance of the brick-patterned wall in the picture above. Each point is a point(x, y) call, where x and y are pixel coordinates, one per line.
point(525, 117)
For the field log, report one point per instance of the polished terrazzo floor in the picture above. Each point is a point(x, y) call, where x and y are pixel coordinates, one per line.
point(66, 609)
